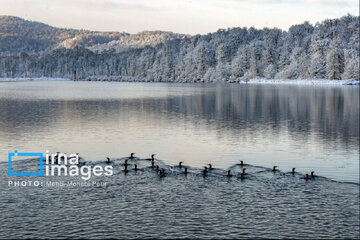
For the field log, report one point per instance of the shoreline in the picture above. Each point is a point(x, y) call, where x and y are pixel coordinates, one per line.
point(349, 82)
point(33, 79)
point(303, 82)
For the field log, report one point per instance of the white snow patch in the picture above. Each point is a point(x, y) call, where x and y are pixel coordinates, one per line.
point(33, 79)
point(301, 81)
point(241, 81)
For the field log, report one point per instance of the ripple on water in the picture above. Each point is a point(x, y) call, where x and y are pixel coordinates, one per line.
point(139, 204)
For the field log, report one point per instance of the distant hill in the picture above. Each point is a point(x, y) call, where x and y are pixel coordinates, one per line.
point(329, 49)
point(18, 35)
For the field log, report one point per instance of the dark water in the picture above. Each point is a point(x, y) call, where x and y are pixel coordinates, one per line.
point(307, 127)
point(140, 204)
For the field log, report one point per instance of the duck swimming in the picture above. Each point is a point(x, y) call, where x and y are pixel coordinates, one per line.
point(242, 175)
point(312, 174)
point(162, 172)
point(125, 169)
point(152, 157)
point(243, 171)
point(180, 164)
point(229, 174)
point(135, 167)
point(81, 163)
point(56, 158)
point(306, 177)
point(185, 171)
point(274, 168)
point(108, 159)
point(241, 163)
point(131, 155)
point(293, 170)
point(210, 166)
point(205, 171)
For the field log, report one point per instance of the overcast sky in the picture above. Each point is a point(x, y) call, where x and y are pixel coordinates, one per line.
point(184, 16)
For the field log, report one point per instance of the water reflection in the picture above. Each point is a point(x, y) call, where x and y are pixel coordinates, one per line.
point(301, 126)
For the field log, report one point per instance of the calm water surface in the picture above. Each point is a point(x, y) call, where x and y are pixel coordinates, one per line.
point(307, 127)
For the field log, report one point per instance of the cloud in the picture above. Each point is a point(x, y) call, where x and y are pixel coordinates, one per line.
point(99, 5)
point(336, 3)
point(109, 5)
point(185, 16)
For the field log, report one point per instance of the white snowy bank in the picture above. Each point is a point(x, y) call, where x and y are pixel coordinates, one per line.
point(299, 81)
point(251, 81)
point(33, 79)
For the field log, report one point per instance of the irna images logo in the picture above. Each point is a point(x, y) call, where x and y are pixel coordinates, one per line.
point(60, 164)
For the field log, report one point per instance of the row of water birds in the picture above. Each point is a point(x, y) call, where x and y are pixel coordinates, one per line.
point(161, 171)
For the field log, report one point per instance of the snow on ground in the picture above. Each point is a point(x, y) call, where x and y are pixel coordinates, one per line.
point(301, 81)
point(251, 81)
point(33, 79)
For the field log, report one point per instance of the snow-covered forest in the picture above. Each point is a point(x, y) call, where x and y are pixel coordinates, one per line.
point(327, 50)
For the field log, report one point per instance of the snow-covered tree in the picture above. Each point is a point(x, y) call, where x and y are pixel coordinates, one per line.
point(334, 62)
point(318, 58)
point(240, 63)
point(255, 69)
point(329, 49)
point(352, 64)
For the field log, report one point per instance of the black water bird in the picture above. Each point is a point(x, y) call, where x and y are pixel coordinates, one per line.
point(157, 168)
point(126, 162)
point(131, 155)
point(242, 175)
point(125, 169)
point(162, 172)
point(180, 164)
point(205, 171)
point(243, 171)
point(312, 174)
point(108, 159)
point(293, 170)
point(81, 163)
point(152, 164)
point(135, 167)
point(306, 177)
point(152, 157)
point(56, 158)
point(62, 157)
point(274, 168)
point(185, 171)
point(210, 166)
point(229, 174)
point(241, 163)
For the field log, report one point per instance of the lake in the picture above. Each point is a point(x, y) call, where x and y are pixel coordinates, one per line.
point(311, 128)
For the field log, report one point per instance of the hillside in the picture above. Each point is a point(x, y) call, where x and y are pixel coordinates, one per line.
point(18, 35)
point(329, 49)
